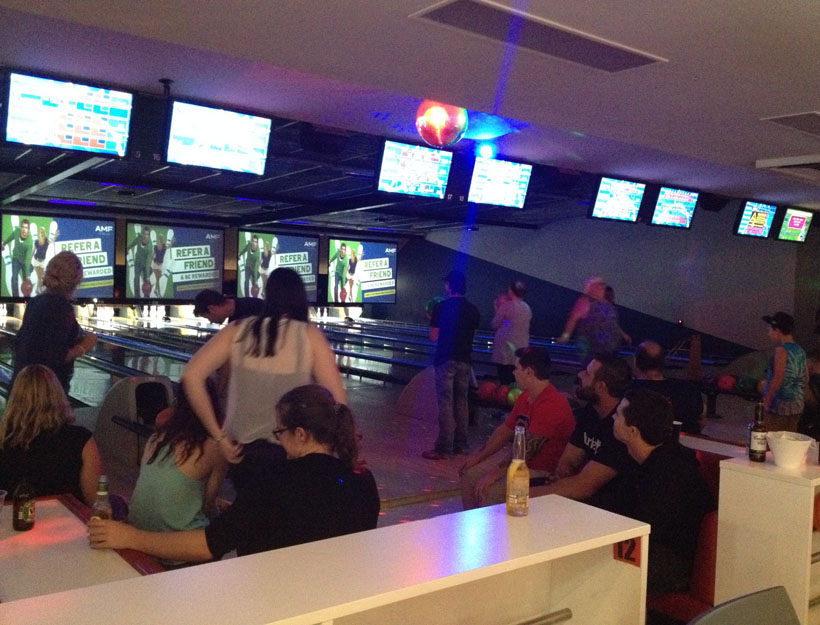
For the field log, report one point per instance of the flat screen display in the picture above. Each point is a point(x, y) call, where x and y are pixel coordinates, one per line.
point(172, 262)
point(31, 241)
point(67, 115)
point(210, 137)
point(259, 253)
point(502, 183)
point(618, 199)
point(414, 170)
point(795, 225)
point(756, 219)
point(675, 207)
point(361, 272)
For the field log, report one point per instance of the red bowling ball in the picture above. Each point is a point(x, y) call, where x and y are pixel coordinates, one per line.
point(501, 394)
point(254, 291)
point(486, 390)
point(726, 382)
point(146, 288)
point(26, 288)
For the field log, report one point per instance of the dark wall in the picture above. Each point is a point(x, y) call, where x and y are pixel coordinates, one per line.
point(422, 266)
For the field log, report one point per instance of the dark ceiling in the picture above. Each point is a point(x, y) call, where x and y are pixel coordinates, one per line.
point(315, 178)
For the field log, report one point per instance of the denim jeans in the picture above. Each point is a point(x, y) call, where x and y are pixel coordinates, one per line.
point(452, 388)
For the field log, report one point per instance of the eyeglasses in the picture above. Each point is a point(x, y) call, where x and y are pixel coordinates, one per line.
point(278, 432)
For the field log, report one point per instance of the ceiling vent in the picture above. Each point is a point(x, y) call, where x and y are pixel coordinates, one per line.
point(510, 26)
point(804, 122)
point(806, 168)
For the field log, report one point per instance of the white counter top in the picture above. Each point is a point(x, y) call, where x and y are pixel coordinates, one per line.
point(316, 582)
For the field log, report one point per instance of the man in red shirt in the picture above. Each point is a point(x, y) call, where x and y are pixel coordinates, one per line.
point(550, 425)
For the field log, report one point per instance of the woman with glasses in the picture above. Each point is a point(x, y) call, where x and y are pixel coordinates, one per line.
point(316, 494)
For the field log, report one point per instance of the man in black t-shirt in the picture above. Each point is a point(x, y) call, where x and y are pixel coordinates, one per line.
point(593, 460)
point(452, 326)
point(216, 308)
point(686, 399)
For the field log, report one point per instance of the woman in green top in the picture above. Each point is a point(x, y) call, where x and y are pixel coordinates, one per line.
point(182, 470)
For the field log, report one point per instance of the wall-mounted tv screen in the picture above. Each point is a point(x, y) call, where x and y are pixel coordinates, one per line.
point(30, 242)
point(259, 253)
point(210, 137)
point(172, 262)
point(361, 272)
point(502, 183)
point(414, 170)
point(618, 199)
point(795, 225)
point(67, 115)
point(756, 219)
point(675, 207)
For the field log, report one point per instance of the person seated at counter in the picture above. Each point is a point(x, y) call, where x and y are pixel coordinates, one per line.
point(314, 495)
point(550, 422)
point(180, 475)
point(39, 443)
point(593, 462)
point(666, 489)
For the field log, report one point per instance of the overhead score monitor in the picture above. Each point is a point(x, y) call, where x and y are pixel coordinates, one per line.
point(31, 241)
point(211, 137)
point(756, 219)
point(675, 207)
point(67, 115)
point(361, 272)
point(172, 263)
point(498, 182)
point(618, 199)
point(260, 253)
point(414, 170)
point(795, 225)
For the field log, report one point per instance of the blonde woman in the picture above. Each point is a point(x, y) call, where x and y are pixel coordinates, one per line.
point(50, 335)
point(39, 443)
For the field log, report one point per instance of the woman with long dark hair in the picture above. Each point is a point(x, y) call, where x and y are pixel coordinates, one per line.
point(182, 470)
point(268, 356)
point(316, 494)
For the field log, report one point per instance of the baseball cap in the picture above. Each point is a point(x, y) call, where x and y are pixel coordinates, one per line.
point(780, 321)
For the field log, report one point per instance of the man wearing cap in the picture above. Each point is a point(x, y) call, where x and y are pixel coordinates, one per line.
point(216, 308)
point(786, 376)
point(452, 326)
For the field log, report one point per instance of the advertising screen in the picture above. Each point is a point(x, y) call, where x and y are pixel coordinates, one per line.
point(414, 170)
point(756, 219)
point(618, 199)
point(795, 225)
point(172, 262)
point(259, 253)
point(502, 183)
point(58, 114)
point(361, 272)
point(675, 207)
point(209, 137)
point(30, 241)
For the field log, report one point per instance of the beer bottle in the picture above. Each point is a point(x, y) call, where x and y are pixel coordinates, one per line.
point(23, 510)
point(757, 436)
point(102, 504)
point(518, 475)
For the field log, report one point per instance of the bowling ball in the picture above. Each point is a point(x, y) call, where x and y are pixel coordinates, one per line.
point(486, 390)
point(726, 382)
point(501, 394)
point(146, 288)
point(513, 396)
point(26, 288)
point(254, 291)
point(343, 295)
point(431, 304)
point(746, 384)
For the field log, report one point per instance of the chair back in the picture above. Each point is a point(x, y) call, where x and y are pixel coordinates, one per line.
point(764, 607)
point(149, 396)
